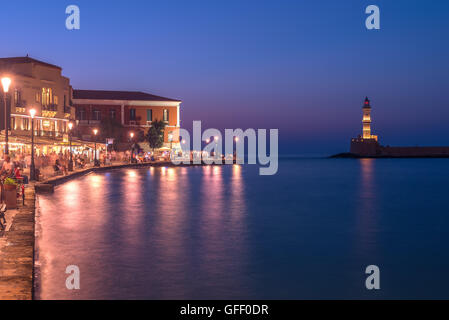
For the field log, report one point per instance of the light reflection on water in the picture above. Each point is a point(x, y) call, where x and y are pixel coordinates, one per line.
point(367, 228)
point(224, 232)
point(137, 234)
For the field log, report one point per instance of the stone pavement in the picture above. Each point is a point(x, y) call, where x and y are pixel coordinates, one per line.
point(17, 251)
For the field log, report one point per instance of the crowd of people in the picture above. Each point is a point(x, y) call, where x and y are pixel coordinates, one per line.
point(53, 163)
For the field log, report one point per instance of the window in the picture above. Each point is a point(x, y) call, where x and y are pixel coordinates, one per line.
point(132, 114)
point(56, 100)
point(112, 113)
point(149, 115)
point(166, 115)
point(97, 115)
point(38, 97)
point(47, 96)
point(17, 97)
point(82, 114)
point(25, 124)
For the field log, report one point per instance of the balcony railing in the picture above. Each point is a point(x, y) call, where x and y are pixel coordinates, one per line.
point(50, 107)
point(21, 104)
point(88, 122)
point(51, 134)
point(43, 133)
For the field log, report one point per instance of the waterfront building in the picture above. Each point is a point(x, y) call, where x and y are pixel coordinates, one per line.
point(41, 86)
point(133, 110)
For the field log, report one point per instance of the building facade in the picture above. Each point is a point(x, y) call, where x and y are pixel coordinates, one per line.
point(133, 110)
point(40, 86)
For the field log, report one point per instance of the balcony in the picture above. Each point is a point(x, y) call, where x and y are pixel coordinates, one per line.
point(51, 134)
point(67, 109)
point(21, 104)
point(42, 133)
point(50, 107)
point(88, 122)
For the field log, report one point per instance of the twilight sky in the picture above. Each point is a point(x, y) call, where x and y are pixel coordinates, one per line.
point(303, 67)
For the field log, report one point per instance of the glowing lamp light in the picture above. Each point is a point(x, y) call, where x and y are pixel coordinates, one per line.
point(216, 137)
point(6, 82)
point(132, 134)
point(236, 139)
point(95, 131)
point(183, 141)
point(32, 113)
point(70, 126)
point(207, 140)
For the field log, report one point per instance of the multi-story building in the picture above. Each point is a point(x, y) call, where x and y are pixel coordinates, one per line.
point(41, 86)
point(131, 109)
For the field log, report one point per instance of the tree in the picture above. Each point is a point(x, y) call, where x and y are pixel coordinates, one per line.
point(155, 134)
point(111, 128)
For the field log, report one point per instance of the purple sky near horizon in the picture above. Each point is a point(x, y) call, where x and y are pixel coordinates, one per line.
point(303, 67)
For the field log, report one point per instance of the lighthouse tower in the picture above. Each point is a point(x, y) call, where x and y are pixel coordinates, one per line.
point(366, 145)
point(366, 121)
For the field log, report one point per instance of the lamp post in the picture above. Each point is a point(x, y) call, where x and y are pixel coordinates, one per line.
point(70, 147)
point(131, 135)
point(32, 167)
point(216, 145)
point(95, 154)
point(6, 82)
point(170, 138)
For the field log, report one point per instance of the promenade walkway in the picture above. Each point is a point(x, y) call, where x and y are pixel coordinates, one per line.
point(17, 251)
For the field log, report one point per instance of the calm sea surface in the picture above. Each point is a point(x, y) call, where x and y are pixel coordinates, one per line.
point(225, 232)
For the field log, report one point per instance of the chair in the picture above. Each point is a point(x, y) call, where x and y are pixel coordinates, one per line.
point(2, 216)
point(57, 170)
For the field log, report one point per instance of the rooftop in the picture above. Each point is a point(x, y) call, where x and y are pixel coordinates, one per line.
point(118, 95)
point(26, 59)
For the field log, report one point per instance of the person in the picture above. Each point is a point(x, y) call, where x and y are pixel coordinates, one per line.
point(59, 167)
point(7, 169)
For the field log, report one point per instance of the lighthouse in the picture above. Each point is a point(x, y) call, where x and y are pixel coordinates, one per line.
point(366, 121)
point(365, 144)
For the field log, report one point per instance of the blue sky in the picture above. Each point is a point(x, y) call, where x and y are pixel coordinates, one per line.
point(303, 67)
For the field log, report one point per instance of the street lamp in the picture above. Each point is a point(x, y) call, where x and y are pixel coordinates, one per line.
point(6, 82)
point(170, 138)
point(131, 134)
point(70, 146)
point(95, 154)
point(32, 167)
point(216, 146)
